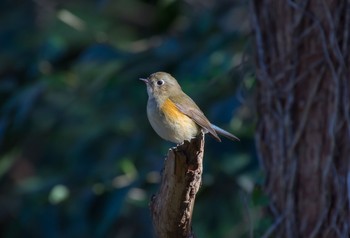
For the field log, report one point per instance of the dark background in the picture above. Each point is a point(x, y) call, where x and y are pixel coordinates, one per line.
point(78, 156)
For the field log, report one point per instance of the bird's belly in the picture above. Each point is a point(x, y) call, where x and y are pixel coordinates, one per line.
point(170, 123)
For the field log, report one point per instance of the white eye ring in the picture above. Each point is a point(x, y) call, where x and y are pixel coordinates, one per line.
point(160, 82)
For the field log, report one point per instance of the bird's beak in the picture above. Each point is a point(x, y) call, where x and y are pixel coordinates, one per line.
point(144, 80)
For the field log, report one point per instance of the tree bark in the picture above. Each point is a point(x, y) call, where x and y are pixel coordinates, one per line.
point(303, 94)
point(172, 206)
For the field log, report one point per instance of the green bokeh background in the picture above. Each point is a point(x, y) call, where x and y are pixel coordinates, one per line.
point(78, 156)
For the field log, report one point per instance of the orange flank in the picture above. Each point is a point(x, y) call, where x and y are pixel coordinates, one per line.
point(176, 125)
point(171, 112)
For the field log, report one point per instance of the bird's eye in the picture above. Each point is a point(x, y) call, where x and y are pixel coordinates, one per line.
point(160, 82)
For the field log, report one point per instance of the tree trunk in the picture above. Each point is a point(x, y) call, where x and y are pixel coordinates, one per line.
point(303, 104)
point(172, 207)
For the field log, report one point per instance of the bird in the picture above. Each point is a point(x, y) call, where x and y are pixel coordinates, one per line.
point(173, 115)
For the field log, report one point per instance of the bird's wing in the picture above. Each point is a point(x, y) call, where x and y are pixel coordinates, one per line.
point(188, 107)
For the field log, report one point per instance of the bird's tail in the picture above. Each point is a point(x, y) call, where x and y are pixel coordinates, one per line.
point(227, 134)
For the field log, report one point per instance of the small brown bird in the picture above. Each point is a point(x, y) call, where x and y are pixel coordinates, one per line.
point(174, 115)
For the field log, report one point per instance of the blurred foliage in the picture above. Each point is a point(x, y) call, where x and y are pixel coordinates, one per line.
point(78, 156)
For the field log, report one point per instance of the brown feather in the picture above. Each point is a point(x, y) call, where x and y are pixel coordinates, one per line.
point(188, 107)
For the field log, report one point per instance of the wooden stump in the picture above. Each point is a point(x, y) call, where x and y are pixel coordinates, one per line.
point(172, 206)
